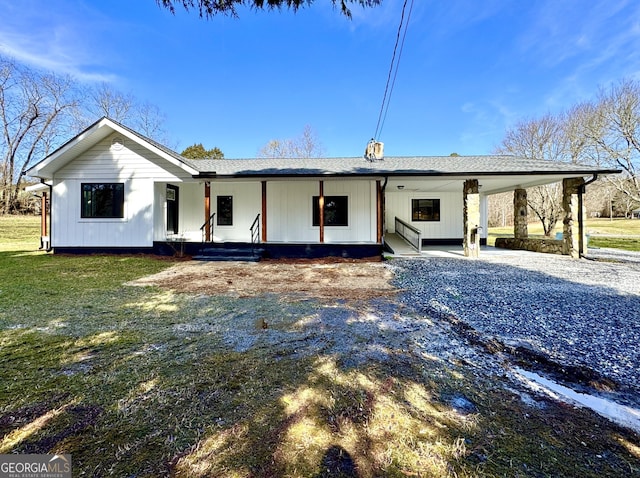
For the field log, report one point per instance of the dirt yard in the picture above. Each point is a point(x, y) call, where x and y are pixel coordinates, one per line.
point(336, 279)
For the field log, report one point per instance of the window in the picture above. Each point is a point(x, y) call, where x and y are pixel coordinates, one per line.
point(425, 209)
point(224, 212)
point(173, 209)
point(102, 200)
point(336, 210)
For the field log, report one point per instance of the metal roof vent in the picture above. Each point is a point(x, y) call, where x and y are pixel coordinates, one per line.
point(374, 151)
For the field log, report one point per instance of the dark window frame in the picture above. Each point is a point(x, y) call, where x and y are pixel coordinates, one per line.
point(421, 211)
point(102, 200)
point(336, 211)
point(224, 213)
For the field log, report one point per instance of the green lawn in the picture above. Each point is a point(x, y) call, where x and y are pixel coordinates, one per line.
point(19, 233)
point(132, 382)
point(618, 234)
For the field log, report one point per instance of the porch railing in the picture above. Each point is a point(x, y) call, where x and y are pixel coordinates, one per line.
point(203, 229)
point(409, 233)
point(255, 230)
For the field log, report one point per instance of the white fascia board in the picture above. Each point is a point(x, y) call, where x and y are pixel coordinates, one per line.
point(61, 155)
point(36, 188)
point(92, 135)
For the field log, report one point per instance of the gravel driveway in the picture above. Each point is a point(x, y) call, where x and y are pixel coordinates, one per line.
point(582, 313)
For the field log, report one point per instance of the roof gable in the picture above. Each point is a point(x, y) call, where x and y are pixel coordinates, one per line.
point(91, 136)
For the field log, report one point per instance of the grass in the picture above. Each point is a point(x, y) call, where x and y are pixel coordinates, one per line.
point(618, 234)
point(133, 382)
point(19, 232)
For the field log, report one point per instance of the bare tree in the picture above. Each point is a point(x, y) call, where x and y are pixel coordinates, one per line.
point(598, 197)
point(613, 130)
point(500, 208)
point(150, 121)
point(542, 138)
point(40, 110)
point(307, 145)
point(105, 101)
point(143, 117)
point(623, 204)
point(33, 109)
point(276, 148)
point(546, 203)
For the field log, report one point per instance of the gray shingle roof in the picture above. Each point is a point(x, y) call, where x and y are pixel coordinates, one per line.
point(401, 166)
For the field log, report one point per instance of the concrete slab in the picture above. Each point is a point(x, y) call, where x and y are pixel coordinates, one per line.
point(402, 249)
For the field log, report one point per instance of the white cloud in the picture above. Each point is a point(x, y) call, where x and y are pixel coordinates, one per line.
point(62, 39)
point(446, 19)
point(593, 33)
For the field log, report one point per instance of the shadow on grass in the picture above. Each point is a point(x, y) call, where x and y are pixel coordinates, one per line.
point(142, 382)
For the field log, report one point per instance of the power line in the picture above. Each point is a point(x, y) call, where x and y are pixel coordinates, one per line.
point(393, 68)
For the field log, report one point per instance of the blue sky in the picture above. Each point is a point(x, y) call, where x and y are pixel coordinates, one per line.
point(469, 70)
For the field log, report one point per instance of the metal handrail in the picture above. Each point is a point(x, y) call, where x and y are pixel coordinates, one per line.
point(203, 230)
point(409, 233)
point(255, 230)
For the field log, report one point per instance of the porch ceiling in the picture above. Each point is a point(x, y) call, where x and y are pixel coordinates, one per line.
point(488, 184)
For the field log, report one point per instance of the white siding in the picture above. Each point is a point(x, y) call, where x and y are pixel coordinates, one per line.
point(247, 204)
point(190, 213)
point(160, 212)
point(450, 224)
point(103, 162)
point(134, 230)
point(484, 216)
point(290, 211)
point(132, 165)
point(362, 211)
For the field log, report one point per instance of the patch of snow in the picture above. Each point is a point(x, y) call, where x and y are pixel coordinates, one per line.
point(621, 414)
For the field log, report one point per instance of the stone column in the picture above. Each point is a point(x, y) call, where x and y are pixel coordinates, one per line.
point(471, 214)
point(573, 241)
point(520, 214)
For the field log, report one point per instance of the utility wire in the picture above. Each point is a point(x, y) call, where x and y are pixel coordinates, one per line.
point(395, 73)
point(384, 107)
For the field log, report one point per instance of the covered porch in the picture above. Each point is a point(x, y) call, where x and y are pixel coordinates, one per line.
point(306, 217)
point(407, 235)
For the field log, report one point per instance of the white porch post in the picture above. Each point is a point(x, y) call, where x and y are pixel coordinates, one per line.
point(321, 211)
point(264, 211)
point(207, 211)
point(471, 213)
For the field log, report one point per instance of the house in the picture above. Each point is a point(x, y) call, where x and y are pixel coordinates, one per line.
point(114, 190)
